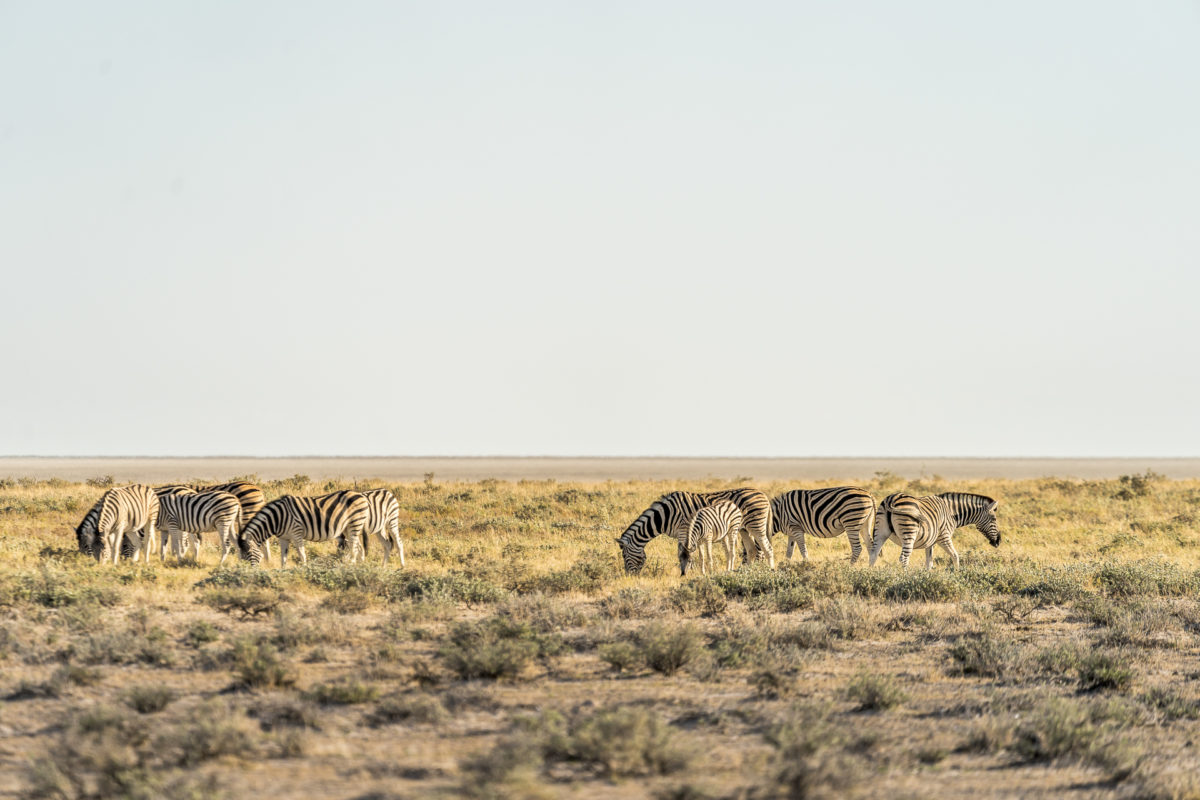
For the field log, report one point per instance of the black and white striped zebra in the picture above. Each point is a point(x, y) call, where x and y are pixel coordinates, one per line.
point(296, 520)
point(125, 512)
point(824, 513)
point(671, 513)
point(383, 521)
point(719, 522)
point(914, 522)
point(189, 513)
point(249, 496)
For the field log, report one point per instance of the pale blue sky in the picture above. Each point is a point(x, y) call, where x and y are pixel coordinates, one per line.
point(938, 228)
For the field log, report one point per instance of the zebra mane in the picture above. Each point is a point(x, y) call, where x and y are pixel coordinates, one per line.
point(982, 498)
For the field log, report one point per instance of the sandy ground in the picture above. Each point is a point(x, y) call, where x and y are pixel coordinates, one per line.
point(586, 469)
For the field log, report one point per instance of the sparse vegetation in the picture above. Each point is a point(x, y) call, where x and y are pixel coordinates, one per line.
point(1056, 651)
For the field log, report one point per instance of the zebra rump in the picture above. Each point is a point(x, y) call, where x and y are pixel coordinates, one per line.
point(824, 513)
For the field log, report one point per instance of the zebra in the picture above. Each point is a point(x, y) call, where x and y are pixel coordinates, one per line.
point(125, 512)
point(195, 512)
point(925, 521)
point(296, 520)
point(383, 521)
point(248, 495)
point(672, 512)
point(824, 513)
point(718, 522)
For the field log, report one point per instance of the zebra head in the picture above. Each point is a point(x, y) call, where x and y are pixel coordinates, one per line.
point(977, 510)
point(249, 550)
point(685, 559)
point(87, 535)
point(633, 540)
point(987, 524)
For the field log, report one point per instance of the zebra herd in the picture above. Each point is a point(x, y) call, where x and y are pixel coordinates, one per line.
point(698, 520)
point(125, 520)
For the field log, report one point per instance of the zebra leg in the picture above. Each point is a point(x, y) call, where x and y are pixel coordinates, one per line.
point(929, 557)
point(283, 548)
point(905, 551)
point(948, 546)
point(803, 542)
point(855, 545)
point(301, 550)
point(791, 545)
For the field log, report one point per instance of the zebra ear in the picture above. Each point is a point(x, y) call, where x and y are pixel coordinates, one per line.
point(995, 505)
point(618, 541)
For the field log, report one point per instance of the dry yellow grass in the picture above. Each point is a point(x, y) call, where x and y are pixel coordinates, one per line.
point(1060, 665)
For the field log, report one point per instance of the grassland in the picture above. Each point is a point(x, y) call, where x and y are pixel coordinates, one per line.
point(512, 658)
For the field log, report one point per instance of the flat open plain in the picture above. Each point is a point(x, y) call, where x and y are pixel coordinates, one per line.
point(586, 470)
point(511, 657)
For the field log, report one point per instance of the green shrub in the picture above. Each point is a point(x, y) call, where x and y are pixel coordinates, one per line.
point(1059, 728)
point(342, 693)
point(286, 712)
point(249, 601)
point(586, 576)
point(875, 692)
point(200, 633)
point(1105, 670)
point(625, 741)
point(698, 596)
point(210, 731)
point(148, 699)
point(924, 586)
point(407, 708)
point(1171, 704)
point(1146, 578)
point(619, 655)
point(489, 649)
point(350, 601)
point(667, 647)
point(984, 653)
point(240, 576)
point(629, 603)
point(256, 664)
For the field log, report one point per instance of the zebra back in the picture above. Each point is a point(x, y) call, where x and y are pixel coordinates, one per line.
point(823, 512)
point(249, 495)
point(315, 519)
point(196, 512)
point(713, 522)
point(128, 507)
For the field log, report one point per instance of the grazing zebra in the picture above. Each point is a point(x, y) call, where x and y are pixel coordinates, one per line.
point(296, 520)
point(126, 512)
point(249, 496)
point(193, 513)
point(671, 513)
point(927, 521)
point(824, 513)
point(383, 520)
point(718, 522)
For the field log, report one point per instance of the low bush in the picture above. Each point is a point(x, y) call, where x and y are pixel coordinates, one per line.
point(924, 586)
point(256, 664)
point(1105, 669)
point(148, 699)
point(985, 653)
point(342, 693)
point(246, 601)
point(630, 603)
point(698, 596)
point(875, 692)
point(667, 647)
point(423, 708)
